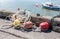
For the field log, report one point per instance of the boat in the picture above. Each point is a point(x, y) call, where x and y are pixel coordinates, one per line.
point(51, 6)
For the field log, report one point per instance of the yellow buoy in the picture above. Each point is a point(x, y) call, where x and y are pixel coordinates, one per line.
point(16, 23)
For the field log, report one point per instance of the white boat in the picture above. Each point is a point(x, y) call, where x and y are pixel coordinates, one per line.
point(51, 6)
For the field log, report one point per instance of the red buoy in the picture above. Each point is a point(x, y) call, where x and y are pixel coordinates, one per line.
point(18, 9)
point(44, 26)
point(37, 5)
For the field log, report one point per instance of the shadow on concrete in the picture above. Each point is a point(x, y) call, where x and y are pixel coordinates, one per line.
point(48, 31)
point(3, 17)
point(24, 30)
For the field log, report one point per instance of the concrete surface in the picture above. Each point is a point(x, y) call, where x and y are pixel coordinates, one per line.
point(17, 34)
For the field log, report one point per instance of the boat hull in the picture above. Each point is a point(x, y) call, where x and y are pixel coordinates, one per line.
point(56, 8)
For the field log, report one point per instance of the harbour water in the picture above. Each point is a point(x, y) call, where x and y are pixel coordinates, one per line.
point(29, 5)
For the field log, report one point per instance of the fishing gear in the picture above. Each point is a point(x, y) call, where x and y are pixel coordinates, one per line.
point(7, 26)
point(55, 25)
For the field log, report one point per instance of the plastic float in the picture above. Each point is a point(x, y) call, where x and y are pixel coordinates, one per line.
point(44, 26)
point(16, 23)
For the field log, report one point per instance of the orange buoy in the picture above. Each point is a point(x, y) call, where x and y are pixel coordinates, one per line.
point(28, 24)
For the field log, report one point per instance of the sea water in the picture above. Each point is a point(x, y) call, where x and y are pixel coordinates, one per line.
point(29, 5)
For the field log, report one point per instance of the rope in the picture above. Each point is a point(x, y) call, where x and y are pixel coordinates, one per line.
point(52, 20)
point(7, 26)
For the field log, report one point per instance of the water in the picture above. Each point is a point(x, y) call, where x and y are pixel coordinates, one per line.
point(29, 5)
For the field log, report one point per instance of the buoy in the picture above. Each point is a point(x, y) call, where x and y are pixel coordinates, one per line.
point(16, 23)
point(37, 5)
point(28, 24)
point(18, 9)
point(44, 26)
point(14, 16)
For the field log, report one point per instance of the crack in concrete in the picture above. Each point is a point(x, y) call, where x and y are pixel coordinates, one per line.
point(13, 34)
